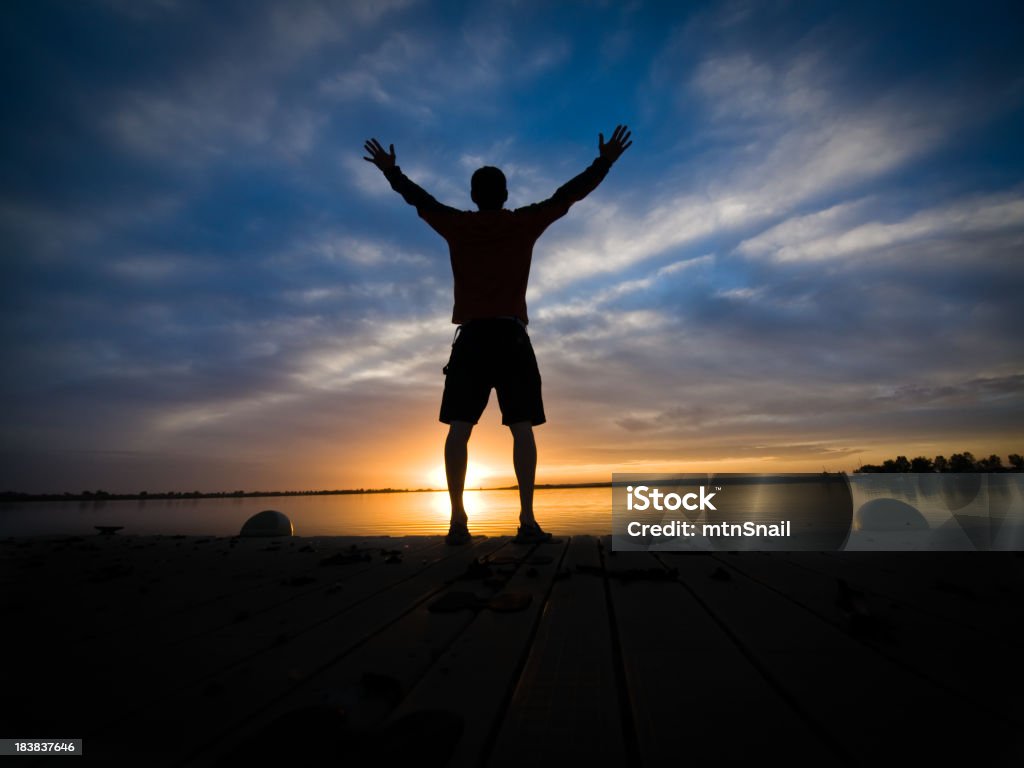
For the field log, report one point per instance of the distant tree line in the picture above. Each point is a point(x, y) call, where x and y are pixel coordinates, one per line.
point(958, 462)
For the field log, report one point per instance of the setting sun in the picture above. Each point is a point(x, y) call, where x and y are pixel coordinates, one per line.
point(476, 474)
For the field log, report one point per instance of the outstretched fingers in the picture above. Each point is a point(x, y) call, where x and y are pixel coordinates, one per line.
point(617, 144)
point(373, 148)
point(377, 155)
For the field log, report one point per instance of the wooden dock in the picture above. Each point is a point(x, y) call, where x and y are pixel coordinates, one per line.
point(186, 651)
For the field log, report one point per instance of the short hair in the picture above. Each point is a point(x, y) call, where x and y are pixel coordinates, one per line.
point(488, 188)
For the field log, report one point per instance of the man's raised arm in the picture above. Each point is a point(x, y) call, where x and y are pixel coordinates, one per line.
point(583, 184)
point(411, 192)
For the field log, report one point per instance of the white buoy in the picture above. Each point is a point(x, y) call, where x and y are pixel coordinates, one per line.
point(269, 522)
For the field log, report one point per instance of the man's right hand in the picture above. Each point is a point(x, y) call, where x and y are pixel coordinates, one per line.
point(378, 156)
point(618, 143)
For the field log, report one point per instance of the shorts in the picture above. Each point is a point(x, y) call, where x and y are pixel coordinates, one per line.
point(493, 353)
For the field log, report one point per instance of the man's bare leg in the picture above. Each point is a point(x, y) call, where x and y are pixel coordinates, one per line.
point(456, 458)
point(524, 460)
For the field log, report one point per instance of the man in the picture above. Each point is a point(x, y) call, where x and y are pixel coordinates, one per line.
point(491, 250)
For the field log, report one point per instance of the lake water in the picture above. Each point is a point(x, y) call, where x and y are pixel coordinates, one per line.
point(493, 513)
point(935, 513)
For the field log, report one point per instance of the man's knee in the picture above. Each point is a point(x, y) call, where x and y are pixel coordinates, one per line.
point(521, 429)
point(459, 431)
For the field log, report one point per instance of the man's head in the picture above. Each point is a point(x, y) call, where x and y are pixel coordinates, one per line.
point(488, 189)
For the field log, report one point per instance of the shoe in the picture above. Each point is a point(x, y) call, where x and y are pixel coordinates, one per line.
point(531, 534)
point(457, 535)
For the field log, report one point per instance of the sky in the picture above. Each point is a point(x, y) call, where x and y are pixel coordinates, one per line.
point(810, 258)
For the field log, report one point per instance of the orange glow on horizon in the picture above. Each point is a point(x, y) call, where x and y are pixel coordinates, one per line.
point(397, 456)
point(477, 476)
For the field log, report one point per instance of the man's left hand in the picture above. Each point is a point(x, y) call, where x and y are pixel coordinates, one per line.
point(618, 143)
point(380, 158)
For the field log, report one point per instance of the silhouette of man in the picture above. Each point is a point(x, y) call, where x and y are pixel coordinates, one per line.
point(491, 250)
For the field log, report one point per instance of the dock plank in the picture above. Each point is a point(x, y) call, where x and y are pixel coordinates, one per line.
point(896, 631)
point(161, 577)
point(978, 590)
point(284, 609)
point(693, 691)
point(199, 644)
point(368, 683)
point(271, 670)
point(475, 677)
point(565, 709)
point(870, 706)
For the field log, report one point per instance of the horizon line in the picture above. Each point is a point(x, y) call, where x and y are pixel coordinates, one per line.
point(100, 494)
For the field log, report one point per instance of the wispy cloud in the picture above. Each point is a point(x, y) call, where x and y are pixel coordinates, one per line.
point(840, 231)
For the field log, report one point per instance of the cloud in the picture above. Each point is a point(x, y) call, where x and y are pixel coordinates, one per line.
point(365, 177)
point(839, 231)
point(363, 252)
point(807, 146)
point(157, 268)
point(234, 86)
point(383, 76)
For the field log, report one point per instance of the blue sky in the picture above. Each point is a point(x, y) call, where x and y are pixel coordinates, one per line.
point(811, 256)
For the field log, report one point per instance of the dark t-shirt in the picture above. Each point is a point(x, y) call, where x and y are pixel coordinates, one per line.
point(491, 251)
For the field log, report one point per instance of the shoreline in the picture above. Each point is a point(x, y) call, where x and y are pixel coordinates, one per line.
point(16, 497)
point(10, 496)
